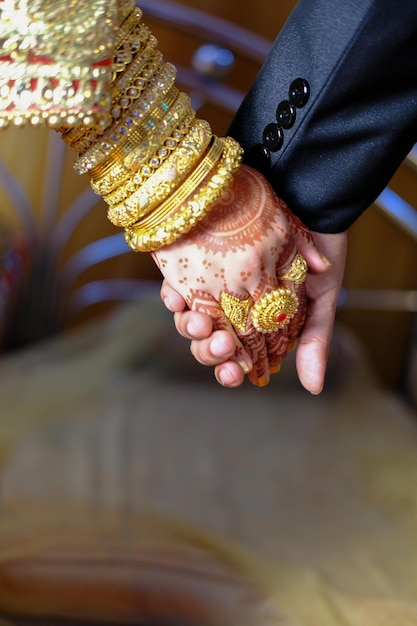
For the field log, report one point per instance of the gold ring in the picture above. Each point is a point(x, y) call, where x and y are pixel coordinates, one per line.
point(274, 310)
point(297, 272)
point(235, 310)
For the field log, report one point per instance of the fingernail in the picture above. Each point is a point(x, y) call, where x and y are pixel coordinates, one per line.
point(193, 330)
point(226, 378)
point(218, 347)
point(325, 259)
point(168, 304)
point(275, 368)
point(262, 381)
point(316, 392)
point(245, 367)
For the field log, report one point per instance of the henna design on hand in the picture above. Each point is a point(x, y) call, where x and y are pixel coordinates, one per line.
point(201, 301)
point(255, 345)
point(277, 345)
point(241, 247)
point(242, 217)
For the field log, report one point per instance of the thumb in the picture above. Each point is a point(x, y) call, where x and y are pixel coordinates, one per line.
point(317, 261)
point(312, 354)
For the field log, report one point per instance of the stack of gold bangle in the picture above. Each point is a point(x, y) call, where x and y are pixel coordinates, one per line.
point(159, 168)
point(182, 211)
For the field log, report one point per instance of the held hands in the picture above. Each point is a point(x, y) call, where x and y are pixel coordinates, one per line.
point(242, 248)
point(214, 348)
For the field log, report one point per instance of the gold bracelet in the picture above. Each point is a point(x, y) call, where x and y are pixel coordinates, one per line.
point(136, 175)
point(91, 136)
point(144, 115)
point(129, 47)
point(125, 168)
point(143, 238)
point(127, 25)
point(188, 187)
point(179, 176)
point(125, 9)
point(141, 146)
point(138, 70)
point(72, 134)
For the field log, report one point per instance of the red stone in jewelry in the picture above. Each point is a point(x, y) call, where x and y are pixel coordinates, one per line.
point(274, 310)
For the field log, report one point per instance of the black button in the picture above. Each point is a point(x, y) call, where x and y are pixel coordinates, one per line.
point(286, 114)
point(273, 137)
point(258, 157)
point(299, 92)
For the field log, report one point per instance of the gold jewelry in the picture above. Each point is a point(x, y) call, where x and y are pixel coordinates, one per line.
point(138, 150)
point(46, 76)
point(149, 58)
point(189, 186)
point(161, 185)
point(137, 174)
point(192, 148)
point(274, 310)
point(297, 272)
point(235, 310)
point(141, 67)
point(146, 236)
point(126, 26)
point(140, 119)
point(129, 47)
point(82, 138)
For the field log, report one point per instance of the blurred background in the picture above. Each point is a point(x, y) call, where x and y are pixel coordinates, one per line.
point(133, 489)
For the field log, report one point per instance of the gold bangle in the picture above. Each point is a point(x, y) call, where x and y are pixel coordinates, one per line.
point(184, 191)
point(70, 135)
point(124, 168)
point(128, 46)
point(126, 26)
point(178, 176)
point(91, 136)
point(136, 174)
point(143, 239)
point(142, 67)
point(141, 146)
point(125, 9)
point(144, 115)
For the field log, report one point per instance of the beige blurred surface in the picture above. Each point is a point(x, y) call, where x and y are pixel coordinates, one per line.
point(314, 496)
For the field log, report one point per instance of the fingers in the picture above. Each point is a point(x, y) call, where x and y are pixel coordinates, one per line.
point(323, 292)
point(306, 243)
point(213, 342)
point(277, 347)
point(312, 354)
point(229, 374)
point(194, 325)
point(220, 350)
point(173, 301)
point(316, 260)
point(223, 346)
point(218, 347)
point(234, 354)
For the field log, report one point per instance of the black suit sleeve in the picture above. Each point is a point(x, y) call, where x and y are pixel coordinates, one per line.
point(333, 111)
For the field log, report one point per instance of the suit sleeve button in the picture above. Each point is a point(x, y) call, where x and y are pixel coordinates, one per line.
point(273, 137)
point(286, 114)
point(299, 92)
point(258, 157)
